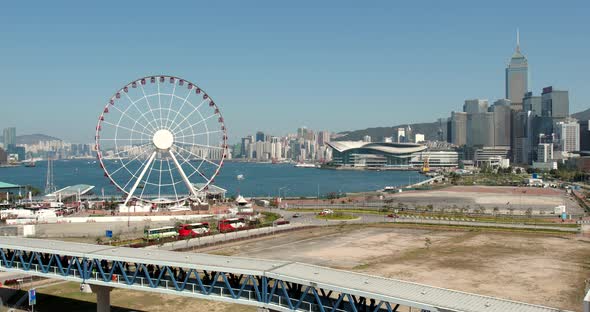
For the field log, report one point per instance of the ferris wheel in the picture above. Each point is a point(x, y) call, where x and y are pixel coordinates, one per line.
point(161, 139)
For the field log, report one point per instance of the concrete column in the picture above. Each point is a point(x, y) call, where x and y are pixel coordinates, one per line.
point(103, 298)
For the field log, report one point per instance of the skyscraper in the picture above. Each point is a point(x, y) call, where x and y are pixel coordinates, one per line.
point(568, 135)
point(555, 103)
point(9, 137)
point(517, 77)
point(459, 128)
point(260, 136)
point(475, 106)
point(502, 129)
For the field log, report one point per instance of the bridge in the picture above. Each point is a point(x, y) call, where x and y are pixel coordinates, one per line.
point(267, 284)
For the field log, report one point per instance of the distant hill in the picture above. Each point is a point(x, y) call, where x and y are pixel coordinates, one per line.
point(583, 115)
point(429, 129)
point(32, 138)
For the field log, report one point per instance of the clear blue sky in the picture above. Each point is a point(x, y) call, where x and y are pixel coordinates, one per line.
point(278, 65)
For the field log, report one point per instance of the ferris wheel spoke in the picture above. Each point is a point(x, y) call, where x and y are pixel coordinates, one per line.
point(196, 170)
point(124, 165)
point(122, 127)
point(147, 180)
point(183, 175)
point(200, 145)
point(172, 178)
point(160, 104)
point(132, 119)
point(145, 168)
point(148, 103)
point(137, 108)
point(199, 157)
point(197, 134)
point(187, 116)
point(160, 181)
point(170, 104)
point(181, 107)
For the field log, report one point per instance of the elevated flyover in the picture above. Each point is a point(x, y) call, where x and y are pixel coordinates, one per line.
point(267, 284)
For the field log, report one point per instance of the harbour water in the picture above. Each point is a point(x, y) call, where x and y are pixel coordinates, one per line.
point(259, 179)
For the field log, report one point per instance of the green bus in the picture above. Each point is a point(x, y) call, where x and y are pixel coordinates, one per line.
point(163, 232)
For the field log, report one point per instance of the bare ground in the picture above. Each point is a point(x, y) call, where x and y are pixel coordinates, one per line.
point(534, 268)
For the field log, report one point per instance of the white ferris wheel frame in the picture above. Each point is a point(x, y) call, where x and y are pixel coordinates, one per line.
point(163, 135)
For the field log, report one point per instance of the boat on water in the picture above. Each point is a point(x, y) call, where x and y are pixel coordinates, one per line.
point(305, 165)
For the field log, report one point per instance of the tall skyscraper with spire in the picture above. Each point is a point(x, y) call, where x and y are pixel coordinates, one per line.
point(517, 76)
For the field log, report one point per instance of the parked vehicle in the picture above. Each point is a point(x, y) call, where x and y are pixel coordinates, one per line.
point(193, 229)
point(230, 225)
point(326, 212)
point(158, 233)
point(297, 215)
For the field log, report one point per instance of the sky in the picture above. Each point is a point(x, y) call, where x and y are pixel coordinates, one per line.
point(279, 65)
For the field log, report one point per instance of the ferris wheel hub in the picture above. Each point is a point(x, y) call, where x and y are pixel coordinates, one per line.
point(163, 139)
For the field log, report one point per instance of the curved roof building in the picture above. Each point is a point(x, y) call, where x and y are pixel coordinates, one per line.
point(373, 155)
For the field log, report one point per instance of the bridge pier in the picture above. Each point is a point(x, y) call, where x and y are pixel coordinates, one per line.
point(103, 298)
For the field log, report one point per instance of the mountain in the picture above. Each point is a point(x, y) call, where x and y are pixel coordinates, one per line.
point(32, 138)
point(583, 115)
point(429, 129)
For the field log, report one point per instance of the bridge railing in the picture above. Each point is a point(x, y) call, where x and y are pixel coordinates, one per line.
point(255, 290)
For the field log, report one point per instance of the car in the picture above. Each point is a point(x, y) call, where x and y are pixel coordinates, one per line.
point(296, 215)
point(392, 215)
point(326, 212)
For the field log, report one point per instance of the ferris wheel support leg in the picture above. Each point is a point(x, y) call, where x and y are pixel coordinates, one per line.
point(184, 177)
point(147, 165)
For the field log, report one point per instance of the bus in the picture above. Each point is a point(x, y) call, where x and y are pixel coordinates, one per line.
point(193, 229)
point(230, 225)
point(163, 232)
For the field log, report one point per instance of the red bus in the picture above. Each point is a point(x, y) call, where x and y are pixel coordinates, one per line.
point(193, 229)
point(230, 225)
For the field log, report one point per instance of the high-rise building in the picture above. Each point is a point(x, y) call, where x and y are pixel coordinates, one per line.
point(401, 135)
point(245, 144)
point(568, 135)
point(502, 115)
point(532, 103)
point(555, 103)
point(323, 137)
point(9, 136)
point(367, 139)
point(544, 152)
point(475, 106)
point(459, 128)
point(585, 135)
point(517, 77)
point(260, 136)
point(480, 129)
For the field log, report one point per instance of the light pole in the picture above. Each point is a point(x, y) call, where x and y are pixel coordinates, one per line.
point(279, 198)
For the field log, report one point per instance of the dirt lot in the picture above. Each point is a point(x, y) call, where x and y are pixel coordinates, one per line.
point(534, 268)
point(488, 197)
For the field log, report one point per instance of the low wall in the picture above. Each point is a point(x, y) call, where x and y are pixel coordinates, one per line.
point(108, 219)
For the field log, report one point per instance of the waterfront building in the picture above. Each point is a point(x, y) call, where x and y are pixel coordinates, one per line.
point(367, 139)
point(419, 137)
point(517, 77)
point(436, 159)
point(475, 106)
point(323, 137)
point(372, 155)
point(9, 136)
point(555, 103)
point(400, 135)
point(567, 134)
point(459, 128)
point(493, 156)
point(3, 157)
point(260, 136)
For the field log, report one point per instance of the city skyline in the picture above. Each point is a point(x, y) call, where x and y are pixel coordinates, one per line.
point(391, 56)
